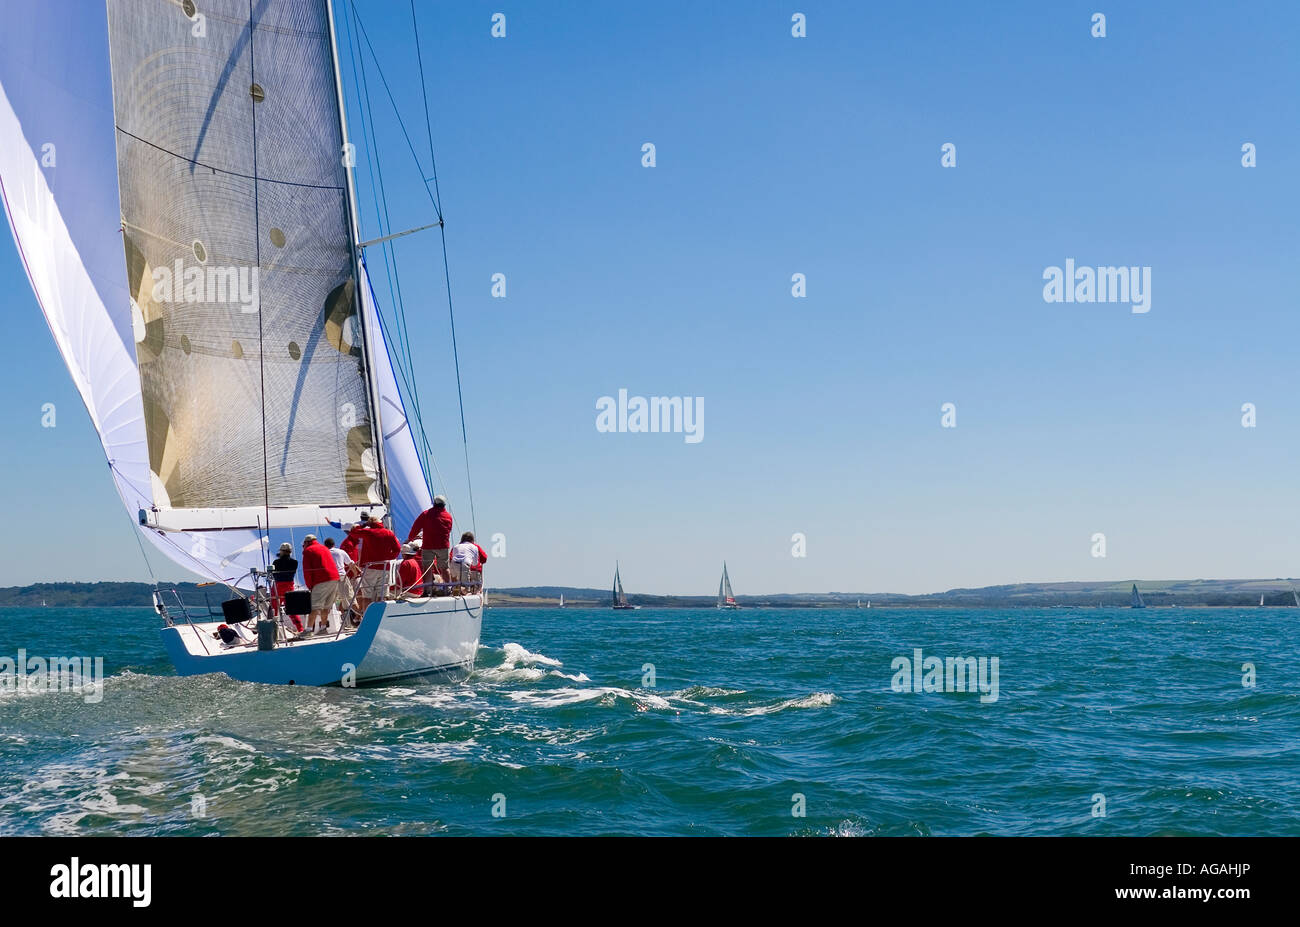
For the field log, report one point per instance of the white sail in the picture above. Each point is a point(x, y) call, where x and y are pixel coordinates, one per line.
point(619, 596)
point(725, 595)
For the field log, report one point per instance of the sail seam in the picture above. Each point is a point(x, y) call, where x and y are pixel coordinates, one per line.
point(229, 173)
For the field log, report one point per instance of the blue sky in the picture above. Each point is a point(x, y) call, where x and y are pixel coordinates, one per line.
point(821, 156)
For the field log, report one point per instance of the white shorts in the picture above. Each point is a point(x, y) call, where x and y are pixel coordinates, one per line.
point(374, 584)
point(324, 594)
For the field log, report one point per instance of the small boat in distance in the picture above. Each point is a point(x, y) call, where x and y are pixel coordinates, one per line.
point(1135, 598)
point(561, 600)
point(620, 597)
point(725, 597)
point(1261, 600)
point(1295, 595)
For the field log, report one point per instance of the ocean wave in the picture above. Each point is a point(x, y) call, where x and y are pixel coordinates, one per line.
point(694, 693)
point(816, 700)
point(516, 654)
point(559, 698)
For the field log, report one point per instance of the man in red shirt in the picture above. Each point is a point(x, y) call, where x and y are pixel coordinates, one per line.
point(350, 547)
point(408, 571)
point(435, 523)
point(379, 547)
point(322, 578)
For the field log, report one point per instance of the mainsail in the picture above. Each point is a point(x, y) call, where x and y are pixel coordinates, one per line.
point(725, 596)
point(240, 262)
point(1135, 598)
point(182, 430)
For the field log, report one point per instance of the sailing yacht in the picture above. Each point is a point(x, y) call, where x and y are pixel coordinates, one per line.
point(1261, 600)
point(619, 598)
point(197, 255)
point(1135, 598)
point(561, 600)
point(725, 597)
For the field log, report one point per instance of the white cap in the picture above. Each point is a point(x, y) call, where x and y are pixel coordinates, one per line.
point(437, 499)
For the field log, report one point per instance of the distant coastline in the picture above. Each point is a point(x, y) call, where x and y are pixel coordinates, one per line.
point(1192, 593)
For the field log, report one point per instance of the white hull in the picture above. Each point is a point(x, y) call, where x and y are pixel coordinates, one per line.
point(396, 640)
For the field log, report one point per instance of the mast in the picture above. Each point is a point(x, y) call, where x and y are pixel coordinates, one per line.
point(354, 236)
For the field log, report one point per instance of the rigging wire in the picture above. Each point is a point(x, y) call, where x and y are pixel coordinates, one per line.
point(257, 239)
point(435, 197)
point(385, 226)
point(423, 451)
point(446, 267)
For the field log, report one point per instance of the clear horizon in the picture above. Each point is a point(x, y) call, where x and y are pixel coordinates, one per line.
point(823, 415)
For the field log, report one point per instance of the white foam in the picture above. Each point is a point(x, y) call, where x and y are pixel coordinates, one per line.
point(556, 698)
point(225, 742)
point(515, 654)
point(816, 700)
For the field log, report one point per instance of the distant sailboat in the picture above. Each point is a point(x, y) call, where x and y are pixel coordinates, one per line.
point(725, 597)
point(620, 597)
point(1135, 598)
point(1295, 595)
point(561, 600)
point(859, 603)
point(1261, 600)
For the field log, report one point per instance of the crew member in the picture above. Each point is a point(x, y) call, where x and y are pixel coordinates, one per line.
point(467, 560)
point(349, 572)
point(379, 548)
point(408, 571)
point(283, 570)
point(322, 578)
point(435, 523)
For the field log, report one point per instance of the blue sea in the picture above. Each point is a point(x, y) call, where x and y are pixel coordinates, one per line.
point(756, 722)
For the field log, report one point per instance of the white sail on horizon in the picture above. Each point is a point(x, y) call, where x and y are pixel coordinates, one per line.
point(725, 595)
